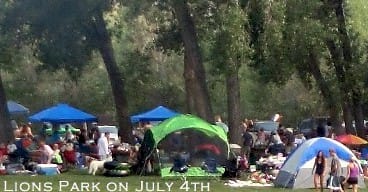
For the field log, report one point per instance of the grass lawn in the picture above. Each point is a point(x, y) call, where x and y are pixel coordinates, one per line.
point(77, 180)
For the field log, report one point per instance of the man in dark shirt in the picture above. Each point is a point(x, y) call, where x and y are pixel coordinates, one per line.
point(321, 131)
point(247, 143)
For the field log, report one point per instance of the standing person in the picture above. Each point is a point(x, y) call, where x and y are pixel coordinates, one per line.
point(103, 146)
point(247, 143)
point(333, 183)
point(321, 131)
point(289, 141)
point(352, 174)
point(261, 137)
point(82, 141)
point(319, 166)
point(219, 122)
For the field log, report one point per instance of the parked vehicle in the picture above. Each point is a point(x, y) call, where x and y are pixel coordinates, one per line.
point(309, 126)
point(268, 126)
point(113, 130)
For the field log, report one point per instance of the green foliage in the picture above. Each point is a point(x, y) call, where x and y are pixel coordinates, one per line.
point(273, 37)
point(266, 33)
point(62, 31)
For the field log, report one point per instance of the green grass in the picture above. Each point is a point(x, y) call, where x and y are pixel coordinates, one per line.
point(76, 179)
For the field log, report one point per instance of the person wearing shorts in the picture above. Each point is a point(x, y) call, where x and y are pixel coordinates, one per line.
point(333, 182)
point(352, 174)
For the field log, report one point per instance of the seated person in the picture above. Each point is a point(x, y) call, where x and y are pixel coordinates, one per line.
point(54, 138)
point(16, 133)
point(56, 156)
point(26, 131)
point(276, 149)
point(133, 155)
point(3, 149)
point(261, 137)
point(11, 148)
point(69, 153)
point(275, 138)
point(69, 136)
point(21, 151)
point(3, 153)
point(44, 154)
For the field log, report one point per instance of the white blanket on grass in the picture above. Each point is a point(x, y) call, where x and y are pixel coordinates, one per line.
point(239, 183)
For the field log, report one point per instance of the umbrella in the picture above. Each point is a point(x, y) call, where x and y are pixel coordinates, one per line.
point(351, 140)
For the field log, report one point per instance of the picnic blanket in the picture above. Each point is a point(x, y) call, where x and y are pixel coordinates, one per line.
point(239, 183)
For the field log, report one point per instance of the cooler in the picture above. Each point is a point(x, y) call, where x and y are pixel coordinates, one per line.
point(47, 169)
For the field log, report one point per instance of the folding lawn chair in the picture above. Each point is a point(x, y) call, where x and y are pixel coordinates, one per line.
point(210, 167)
point(180, 167)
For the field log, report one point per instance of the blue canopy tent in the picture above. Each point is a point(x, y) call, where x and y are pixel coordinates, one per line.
point(159, 113)
point(62, 113)
point(16, 108)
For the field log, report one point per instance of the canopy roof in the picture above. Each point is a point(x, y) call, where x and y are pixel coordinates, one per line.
point(62, 113)
point(188, 121)
point(159, 113)
point(16, 108)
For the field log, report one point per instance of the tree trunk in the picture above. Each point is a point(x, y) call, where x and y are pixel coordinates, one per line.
point(233, 104)
point(7, 133)
point(189, 85)
point(344, 88)
point(348, 58)
point(189, 37)
point(358, 114)
point(329, 99)
point(116, 79)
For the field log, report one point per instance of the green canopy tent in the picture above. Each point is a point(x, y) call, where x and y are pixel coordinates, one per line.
point(156, 136)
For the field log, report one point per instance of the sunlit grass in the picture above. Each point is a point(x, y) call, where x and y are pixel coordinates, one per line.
point(79, 180)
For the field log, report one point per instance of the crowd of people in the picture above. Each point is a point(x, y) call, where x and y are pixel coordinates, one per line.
point(73, 148)
point(280, 141)
point(69, 149)
point(284, 141)
point(332, 169)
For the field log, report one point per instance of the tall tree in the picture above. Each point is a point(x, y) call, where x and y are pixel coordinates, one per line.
point(342, 56)
point(302, 36)
point(60, 30)
point(178, 32)
point(6, 52)
point(116, 79)
point(7, 132)
point(6, 129)
point(194, 68)
point(229, 52)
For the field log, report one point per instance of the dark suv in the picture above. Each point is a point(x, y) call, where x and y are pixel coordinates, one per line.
point(309, 126)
